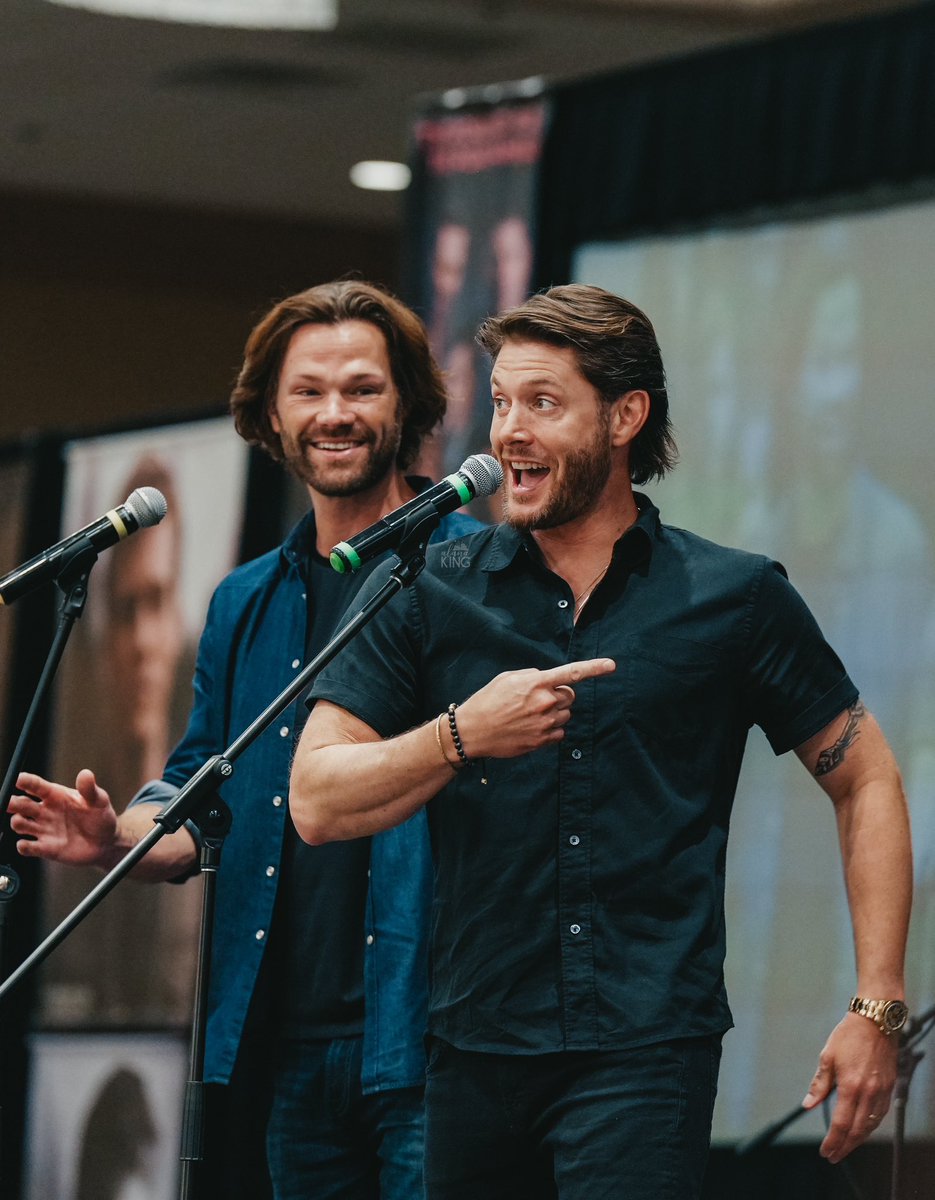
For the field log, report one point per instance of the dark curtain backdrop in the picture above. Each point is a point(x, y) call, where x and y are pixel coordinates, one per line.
point(836, 111)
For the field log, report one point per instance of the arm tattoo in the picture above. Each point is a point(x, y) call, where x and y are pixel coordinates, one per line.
point(834, 755)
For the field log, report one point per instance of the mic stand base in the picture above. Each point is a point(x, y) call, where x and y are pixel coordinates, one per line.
point(213, 818)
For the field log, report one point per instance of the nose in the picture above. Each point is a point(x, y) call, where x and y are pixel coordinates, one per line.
point(510, 426)
point(335, 410)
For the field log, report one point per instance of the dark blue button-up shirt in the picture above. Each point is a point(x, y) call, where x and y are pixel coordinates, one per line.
point(579, 894)
point(252, 647)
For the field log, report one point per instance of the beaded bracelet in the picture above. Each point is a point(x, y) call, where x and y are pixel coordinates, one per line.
point(456, 738)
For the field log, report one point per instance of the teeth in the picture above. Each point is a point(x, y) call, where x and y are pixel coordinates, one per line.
point(334, 445)
point(527, 466)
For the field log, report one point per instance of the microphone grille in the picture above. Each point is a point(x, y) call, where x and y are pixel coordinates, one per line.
point(483, 472)
point(147, 505)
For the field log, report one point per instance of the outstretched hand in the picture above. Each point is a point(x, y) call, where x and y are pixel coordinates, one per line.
point(860, 1062)
point(70, 825)
point(520, 711)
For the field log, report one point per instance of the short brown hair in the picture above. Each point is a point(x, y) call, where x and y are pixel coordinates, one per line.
point(617, 352)
point(416, 375)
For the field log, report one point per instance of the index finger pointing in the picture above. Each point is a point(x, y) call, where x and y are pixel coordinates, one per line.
point(574, 672)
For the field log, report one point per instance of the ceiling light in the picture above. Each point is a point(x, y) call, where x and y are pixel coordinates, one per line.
point(377, 176)
point(244, 14)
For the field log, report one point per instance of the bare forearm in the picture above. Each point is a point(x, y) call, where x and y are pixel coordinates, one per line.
point(171, 856)
point(356, 788)
point(873, 827)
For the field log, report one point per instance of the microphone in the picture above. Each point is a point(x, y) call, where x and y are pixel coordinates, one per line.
point(144, 507)
point(480, 475)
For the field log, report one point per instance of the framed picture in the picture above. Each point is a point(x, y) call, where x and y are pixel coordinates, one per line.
point(105, 1116)
point(122, 702)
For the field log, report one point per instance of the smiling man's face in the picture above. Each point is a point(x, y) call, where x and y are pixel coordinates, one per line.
point(337, 409)
point(551, 432)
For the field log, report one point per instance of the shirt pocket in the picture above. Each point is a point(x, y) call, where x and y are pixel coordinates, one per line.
point(673, 689)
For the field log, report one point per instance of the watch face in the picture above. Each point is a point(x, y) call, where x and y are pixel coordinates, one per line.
point(894, 1016)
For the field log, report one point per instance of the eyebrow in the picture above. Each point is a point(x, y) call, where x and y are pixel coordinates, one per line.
point(358, 376)
point(539, 381)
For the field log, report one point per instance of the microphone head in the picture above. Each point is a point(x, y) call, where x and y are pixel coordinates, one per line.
point(147, 505)
point(483, 472)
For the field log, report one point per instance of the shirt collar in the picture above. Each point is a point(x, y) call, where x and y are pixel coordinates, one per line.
point(633, 549)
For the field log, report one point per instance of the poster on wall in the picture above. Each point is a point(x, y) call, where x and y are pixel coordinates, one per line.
point(123, 694)
point(472, 227)
point(105, 1116)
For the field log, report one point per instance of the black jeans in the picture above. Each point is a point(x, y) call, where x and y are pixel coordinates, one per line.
point(607, 1125)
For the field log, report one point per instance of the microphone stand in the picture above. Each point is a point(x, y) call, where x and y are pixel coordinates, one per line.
point(197, 801)
point(907, 1060)
point(72, 581)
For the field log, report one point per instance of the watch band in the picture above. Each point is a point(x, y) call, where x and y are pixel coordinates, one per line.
point(888, 1015)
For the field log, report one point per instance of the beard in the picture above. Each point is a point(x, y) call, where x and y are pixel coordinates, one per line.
point(586, 472)
point(340, 479)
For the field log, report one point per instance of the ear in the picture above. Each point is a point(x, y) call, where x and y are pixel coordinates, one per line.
point(274, 417)
point(629, 414)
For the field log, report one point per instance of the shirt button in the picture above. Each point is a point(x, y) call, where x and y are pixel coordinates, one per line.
point(260, 935)
point(296, 662)
point(369, 939)
point(574, 928)
point(270, 872)
point(574, 840)
point(563, 603)
point(277, 802)
point(576, 754)
point(284, 731)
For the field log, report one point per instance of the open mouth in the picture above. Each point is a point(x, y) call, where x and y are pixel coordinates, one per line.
point(526, 477)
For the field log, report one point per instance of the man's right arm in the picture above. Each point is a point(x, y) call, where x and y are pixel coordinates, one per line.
point(80, 826)
point(348, 782)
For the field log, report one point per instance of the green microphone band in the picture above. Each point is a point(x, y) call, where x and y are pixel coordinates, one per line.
point(460, 486)
point(343, 556)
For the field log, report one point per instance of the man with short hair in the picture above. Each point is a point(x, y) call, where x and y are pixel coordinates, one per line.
point(319, 955)
point(571, 700)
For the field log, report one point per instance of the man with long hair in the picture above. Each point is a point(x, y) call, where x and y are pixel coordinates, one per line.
point(318, 966)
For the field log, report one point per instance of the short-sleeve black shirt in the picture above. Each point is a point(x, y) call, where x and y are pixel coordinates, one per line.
point(579, 894)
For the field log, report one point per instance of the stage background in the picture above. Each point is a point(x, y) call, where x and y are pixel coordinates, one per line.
point(800, 370)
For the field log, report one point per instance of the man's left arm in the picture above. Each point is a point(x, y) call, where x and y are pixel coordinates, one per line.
point(852, 761)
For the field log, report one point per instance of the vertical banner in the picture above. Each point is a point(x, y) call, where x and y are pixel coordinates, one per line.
point(122, 700)
point(472, 234)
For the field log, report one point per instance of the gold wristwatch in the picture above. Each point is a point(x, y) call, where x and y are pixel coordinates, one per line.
point(888, 1015)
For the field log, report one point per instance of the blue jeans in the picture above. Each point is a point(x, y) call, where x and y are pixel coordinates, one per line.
point(327, 1141)
point(607, 1125)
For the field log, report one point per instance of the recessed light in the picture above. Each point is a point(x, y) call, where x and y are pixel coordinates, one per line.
point(243, 14)
point(377, 176)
